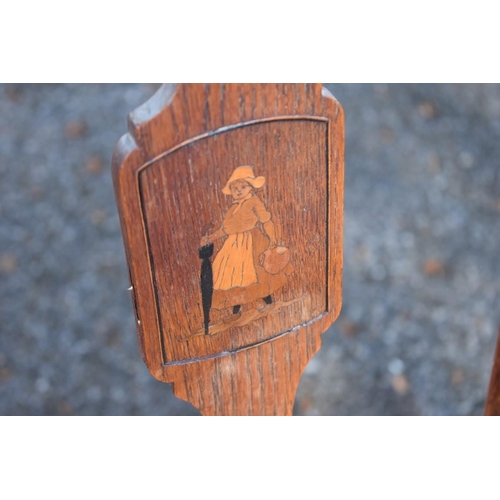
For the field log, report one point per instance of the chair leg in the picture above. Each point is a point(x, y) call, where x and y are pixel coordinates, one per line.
point(493, 401)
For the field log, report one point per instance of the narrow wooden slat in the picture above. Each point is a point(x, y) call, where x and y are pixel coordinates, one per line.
point(493, 399)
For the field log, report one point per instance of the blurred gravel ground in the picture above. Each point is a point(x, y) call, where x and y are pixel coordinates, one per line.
point(421, 289)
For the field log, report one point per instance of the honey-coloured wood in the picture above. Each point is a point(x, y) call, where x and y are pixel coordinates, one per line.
point(492, 408)
point(231, 199)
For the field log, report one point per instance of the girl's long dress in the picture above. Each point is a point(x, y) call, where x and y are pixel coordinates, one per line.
point(239, 277)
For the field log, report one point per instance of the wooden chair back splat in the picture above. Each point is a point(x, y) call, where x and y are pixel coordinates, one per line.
point(231, 202)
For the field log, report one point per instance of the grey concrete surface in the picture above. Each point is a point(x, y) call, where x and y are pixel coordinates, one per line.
point(421, 288)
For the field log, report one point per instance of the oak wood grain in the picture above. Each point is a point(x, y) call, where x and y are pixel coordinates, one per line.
point(170, 174)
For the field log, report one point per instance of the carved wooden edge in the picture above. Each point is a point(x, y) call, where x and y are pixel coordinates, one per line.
point(492, 408)
point(139, 146)
point(336, 191)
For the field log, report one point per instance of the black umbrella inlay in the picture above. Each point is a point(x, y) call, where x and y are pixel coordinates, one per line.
point(206, 282)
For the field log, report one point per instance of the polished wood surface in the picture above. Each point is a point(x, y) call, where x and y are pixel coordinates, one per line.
point(493, 399)
point(254, 173)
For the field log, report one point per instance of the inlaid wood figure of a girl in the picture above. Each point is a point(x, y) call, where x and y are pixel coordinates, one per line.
point(250, 266)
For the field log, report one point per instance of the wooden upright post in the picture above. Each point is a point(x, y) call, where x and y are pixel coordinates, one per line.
point(493, 399)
